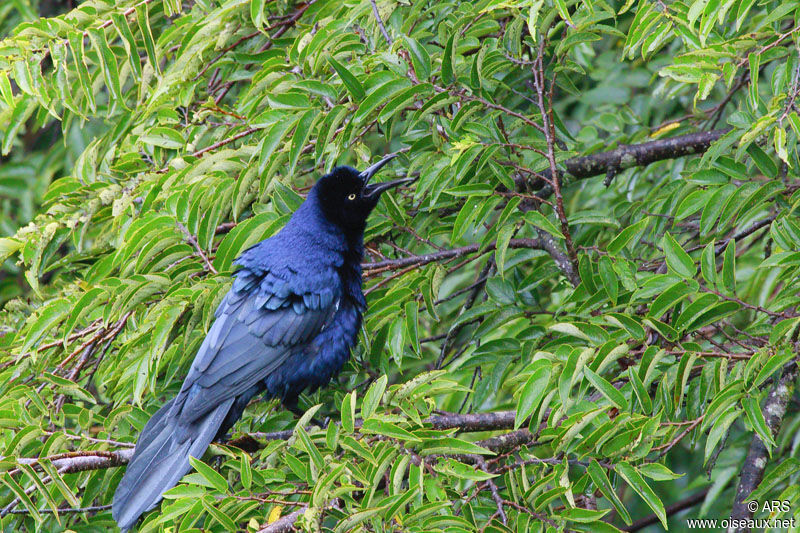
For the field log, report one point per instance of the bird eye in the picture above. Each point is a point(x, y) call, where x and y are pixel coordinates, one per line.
point(351, 196)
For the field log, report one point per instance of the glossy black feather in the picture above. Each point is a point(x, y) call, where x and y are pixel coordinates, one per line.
point(287, 325)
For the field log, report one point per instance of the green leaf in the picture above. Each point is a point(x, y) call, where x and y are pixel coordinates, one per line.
point(7, 247)
point(5, 89)
point(380, 427)
point(352, 84)
point(708, 264)
point(668, 299)
point(714, 314)
point(501, 249)
point(213, 477)
point(640, 486)
point(143, 19)
point(305, 442)
point(450, 467)
point(47, 317)
point(694, 310)
point(685, 366)
point(452, 446)
point(628, 323)
point(772, 364)
point(79, 57)
point(729, 266)
point(533, 392)
point(722, 402)
point(600, 479)
point(128, 41)
point(692, 204)
point(626, 235)
point(609, 277)
point(786, 468)
point(402, 100)
point(218, 515)
point(756, 419)
point(718, 431)
point(349, 412)
point(379, 96)
point(606, 389)
point(640, 391)
point(741, 14)
point(373, 397)
point(754, 59)
point(108, 65)
point(677, 259)
point(657, 472)
point(540, 221)
point(257, 12)
point(412, 324)
point(471, 189)
point(271, 140)
point(779, 141)
point(246, 471)
point(583, 516)
point(448, 60)
point(19, 492)
point(420, 58)
point(163, 137)
point(300, 136)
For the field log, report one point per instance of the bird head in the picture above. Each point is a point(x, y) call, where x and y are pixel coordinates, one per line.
point(347, 196)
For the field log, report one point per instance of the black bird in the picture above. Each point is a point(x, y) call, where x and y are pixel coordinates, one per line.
point(287, 325)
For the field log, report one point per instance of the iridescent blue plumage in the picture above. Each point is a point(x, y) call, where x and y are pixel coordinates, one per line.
point(287, 325)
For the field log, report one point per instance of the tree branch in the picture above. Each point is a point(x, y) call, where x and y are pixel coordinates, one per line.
point(72, 462)
point(283, 525)
point(562, 261)
point(63, 510)
point(569, 263)
point(635, 155)
point(757, 456)
point(393, 264)
point(675, 508)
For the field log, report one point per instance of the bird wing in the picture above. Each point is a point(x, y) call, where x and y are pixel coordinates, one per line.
point(261, 321)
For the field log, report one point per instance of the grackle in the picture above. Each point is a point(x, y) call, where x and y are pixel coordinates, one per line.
point(287, 325)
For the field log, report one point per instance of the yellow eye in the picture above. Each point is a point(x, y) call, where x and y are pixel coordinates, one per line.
point(351, 196)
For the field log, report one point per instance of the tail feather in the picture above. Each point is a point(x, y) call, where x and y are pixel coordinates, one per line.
point(161, 460)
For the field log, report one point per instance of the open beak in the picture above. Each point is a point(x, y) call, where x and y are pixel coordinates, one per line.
point(372, 190)
point(371, 171)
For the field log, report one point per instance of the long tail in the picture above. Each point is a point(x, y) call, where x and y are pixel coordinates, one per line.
point(161, 459)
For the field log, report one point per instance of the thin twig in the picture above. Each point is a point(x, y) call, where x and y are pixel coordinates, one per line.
point(675, 508)
point(63, 510)
point(394, 264)
point(570, 267)
point(193, 241)
point(380, 22)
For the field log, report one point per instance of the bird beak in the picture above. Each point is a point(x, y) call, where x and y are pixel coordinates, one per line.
point(375, 189)
point(371, 171)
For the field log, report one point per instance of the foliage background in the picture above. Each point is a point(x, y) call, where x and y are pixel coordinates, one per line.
point(621, 350)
